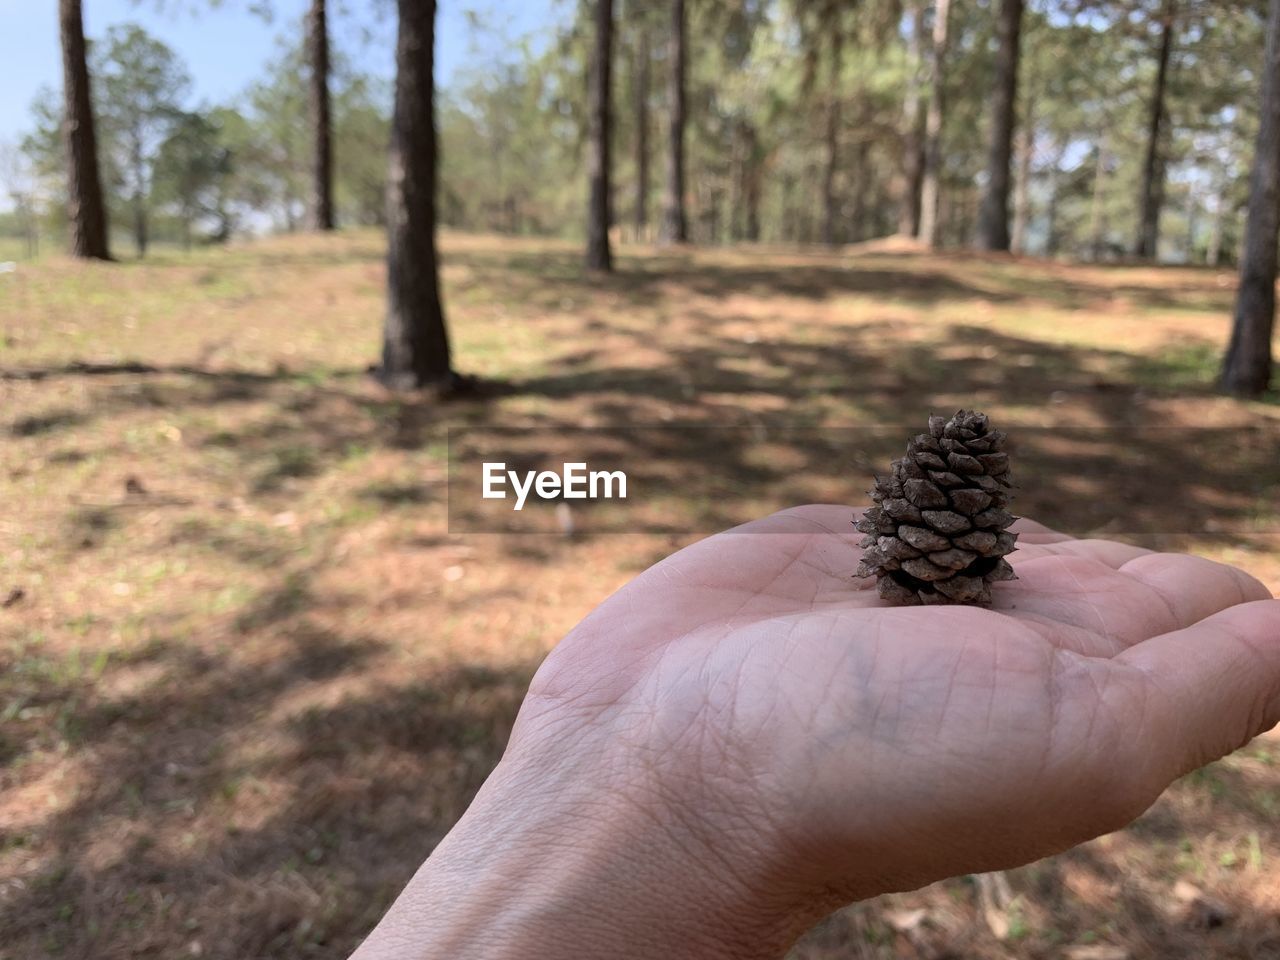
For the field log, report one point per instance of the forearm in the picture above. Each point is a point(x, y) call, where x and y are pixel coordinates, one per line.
point(583, 870)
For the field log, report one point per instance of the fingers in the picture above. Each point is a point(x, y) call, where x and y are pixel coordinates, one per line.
point(1148, 595)
point(1084, 593)
point(1211, 687)
point(1193, 587)
point(1109, 552)
point(1029, 531)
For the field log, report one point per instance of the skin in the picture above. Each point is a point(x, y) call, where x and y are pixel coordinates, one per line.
point(743, 738)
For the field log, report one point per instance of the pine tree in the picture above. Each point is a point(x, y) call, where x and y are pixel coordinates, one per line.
point(415, 346)
point(993, 216)
point(86, 208)
point(599, 256)
point(931, 187)
point(675, 227)
point(1247, 368)
point(1151, 196)
point(321, 121)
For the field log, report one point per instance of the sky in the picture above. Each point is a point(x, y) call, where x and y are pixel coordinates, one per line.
point(228, 48)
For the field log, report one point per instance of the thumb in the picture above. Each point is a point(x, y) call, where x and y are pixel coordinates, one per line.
point(1211, 687)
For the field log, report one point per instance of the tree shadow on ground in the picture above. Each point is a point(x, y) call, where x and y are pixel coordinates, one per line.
point(915, 278)
point(265, 786)
point(1120, 471)
point(310, 816)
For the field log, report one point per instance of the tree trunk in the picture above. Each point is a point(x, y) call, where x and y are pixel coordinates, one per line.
point(140, 224)
point(1193, 223)
point(913, 135)
point(138, 200)
point(931, 186)
point(861, 191)
point(993, 216)
point(752, 175)
point(30, 227)
point(1247, 368)
point(831, 158)
point(1213, 253)
point(675, 225)
point(752, 229)
point(1051, 209)
point(736, 177)
point(641, 77)
point(415, 345)
point(712, 217)
point(1022, 184)
point(1097, 222)
point(830, 161)
point(787, 225)
point(322, 124)
point(599, 256)
point(1151, 197)
point(86, 210)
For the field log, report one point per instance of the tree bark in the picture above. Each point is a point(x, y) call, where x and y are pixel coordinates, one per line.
point(831, 158)
point(1151, 196)
point(751, 231)
point(140, 233)
point(1247, 368)
point(675, 224)
point(138, 200)
point(736, 177)
point(862, 188)
point(322, 124)
point(789, 226)
point(641, 76)
point(1051, 208)
point(751, 175)
point(599, 257)
point(1097, 222)
point(913, 135)
point(415, 345)
point(1022, 183)
point(1193, 223)
point(86, 209)
point(993, 215)
point(931, 186)
point(1213, 253)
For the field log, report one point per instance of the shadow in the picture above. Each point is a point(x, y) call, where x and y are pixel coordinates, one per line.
point(309, 826)
point(782, 380)
point(390, 494)
point(31, 426)
point(264, 780)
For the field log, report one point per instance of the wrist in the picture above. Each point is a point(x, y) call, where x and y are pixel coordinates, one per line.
point(557, 857)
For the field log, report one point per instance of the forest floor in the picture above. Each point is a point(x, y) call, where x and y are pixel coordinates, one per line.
point(253, 668)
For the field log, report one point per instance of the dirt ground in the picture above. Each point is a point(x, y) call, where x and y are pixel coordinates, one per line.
point(254, 666)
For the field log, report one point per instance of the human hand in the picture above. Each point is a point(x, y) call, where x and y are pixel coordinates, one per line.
point(744, 737)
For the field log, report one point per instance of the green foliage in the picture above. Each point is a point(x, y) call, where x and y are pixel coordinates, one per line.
point(765, 77)
point(272, 141)
point(139, 86)
point(192, 170)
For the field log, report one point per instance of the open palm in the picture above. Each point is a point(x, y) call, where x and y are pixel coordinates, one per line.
point(808, 732)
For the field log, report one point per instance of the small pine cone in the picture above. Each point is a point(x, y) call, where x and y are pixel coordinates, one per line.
point(938, 529)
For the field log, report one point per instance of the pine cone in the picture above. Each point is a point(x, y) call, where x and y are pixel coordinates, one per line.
point(938, 530)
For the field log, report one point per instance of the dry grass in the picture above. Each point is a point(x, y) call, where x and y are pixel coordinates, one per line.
point(250, 677)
